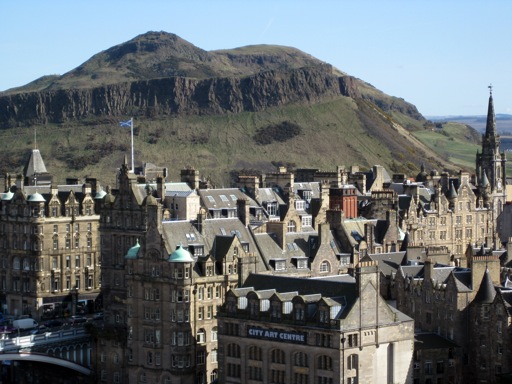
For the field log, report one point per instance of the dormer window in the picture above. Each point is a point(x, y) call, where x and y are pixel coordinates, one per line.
point(276, 311)
point(254, 308)
point(323, 315)
point(300, 205)
point(299, 313)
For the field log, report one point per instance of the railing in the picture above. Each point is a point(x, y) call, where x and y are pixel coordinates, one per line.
point(21, 342)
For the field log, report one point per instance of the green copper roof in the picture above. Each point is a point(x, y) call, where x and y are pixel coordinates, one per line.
point(181, 255)
point(7, 195)
point(133, 251)
point(36, 198)
point(100, 194)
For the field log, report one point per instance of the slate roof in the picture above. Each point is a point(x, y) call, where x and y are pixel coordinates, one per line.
point(223, 198)
point(314, 187)
point(216, 236)
point(432, 341)
point(298, 245)
point(486, 293)
point(327, 287)
point(268, 194)
point(35, 165)
point(388, 262)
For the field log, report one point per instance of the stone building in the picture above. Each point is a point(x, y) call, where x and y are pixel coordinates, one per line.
point(438, 297)
point(163, 281)
point(288, 330)
point(50, 257)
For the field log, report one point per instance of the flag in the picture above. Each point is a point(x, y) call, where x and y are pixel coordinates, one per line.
point(127, 123)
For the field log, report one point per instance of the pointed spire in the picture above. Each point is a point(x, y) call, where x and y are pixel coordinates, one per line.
point(486, 293)
point(490, 128)
point(484, 182)
point(452, 193)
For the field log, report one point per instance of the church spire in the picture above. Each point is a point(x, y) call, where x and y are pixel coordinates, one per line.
point(490, 128)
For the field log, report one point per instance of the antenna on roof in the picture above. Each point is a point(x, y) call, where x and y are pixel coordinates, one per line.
point(35, 138)
point(490, 88)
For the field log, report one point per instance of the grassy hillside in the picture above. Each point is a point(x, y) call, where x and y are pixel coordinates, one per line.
point(455, 143)
point(327, 134)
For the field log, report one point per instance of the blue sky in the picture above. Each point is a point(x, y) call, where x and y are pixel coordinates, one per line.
point(438, 55)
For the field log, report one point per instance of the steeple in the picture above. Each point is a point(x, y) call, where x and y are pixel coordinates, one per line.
point(490, 128)
point(35, 172)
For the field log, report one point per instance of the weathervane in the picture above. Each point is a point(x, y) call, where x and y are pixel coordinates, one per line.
point(490, 88)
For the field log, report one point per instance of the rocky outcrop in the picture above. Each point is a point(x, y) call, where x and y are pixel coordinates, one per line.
point(173, 96)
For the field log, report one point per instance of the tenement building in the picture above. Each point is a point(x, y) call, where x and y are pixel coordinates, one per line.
point(49, 250)
point(163, 280)
point(333, 330)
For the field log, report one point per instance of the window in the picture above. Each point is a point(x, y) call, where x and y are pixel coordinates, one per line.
point(255, 353)
point(200, 293)
point(201, 357)
point(277, 376)
point(278, 356)
point(300, 359)
point(352, 361)
point(255, 373)
point(213, 356)
point(214, 334)
point(291, 226)
point(325, 267)
point(233, 350)
point(233, 370)
point(324, 362)
point(200, 313)
point(324, 315)
point(77, 261)
point(306, 221)
point(299, 312)
point(201, 336)
point(352, 340)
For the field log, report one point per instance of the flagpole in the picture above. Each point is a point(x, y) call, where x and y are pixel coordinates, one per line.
point(131, 125)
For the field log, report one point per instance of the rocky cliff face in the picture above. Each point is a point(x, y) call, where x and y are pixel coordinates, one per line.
point(173, 96)
point(178, 96)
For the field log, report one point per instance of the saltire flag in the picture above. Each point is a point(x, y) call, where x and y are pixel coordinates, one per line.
point(127, 123)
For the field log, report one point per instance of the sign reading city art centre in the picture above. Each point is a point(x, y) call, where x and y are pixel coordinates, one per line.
point(277, 335)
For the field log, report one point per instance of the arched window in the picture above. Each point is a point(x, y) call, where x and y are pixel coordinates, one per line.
point(278, 356)
point(300, 359)
point(213, 376)
point(201, 336)
point(325, 267)
point(352, 361)
point(255, 353)
point(324, 362)
point(291, 226)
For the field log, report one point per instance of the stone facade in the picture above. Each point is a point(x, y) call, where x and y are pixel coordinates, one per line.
point(285, 330)
point(50, 258)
